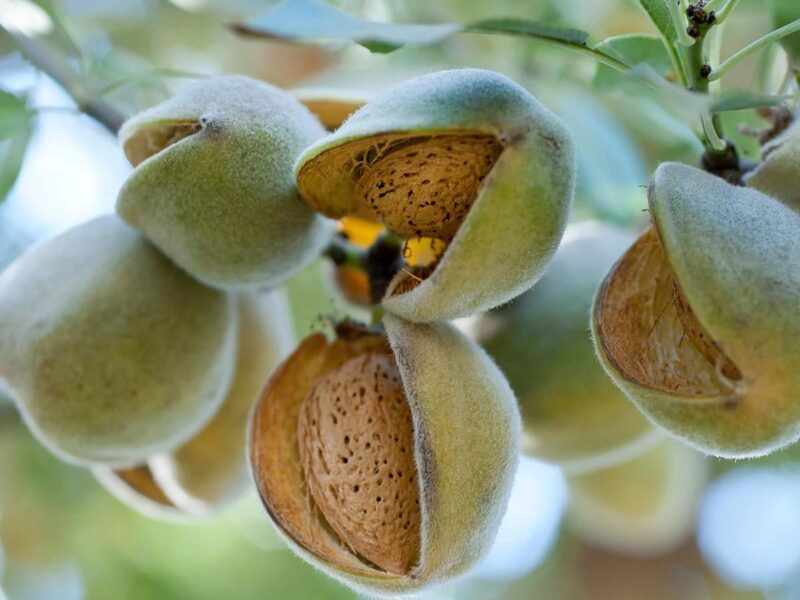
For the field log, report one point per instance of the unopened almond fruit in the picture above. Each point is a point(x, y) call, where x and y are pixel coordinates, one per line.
point(212, 184)
point(110, 351)
point(386, 459)
point(572, 413)
point(465, 157)
point(645, 506)
point(699, 322)
point(210, 470)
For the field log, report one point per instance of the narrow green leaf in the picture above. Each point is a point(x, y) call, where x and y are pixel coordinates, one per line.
point(15, 133)
point(633, 49)
point(377, 47)
point(784, 12)
point(303, 20)
point(610, 166)
point(687, 105)
point(659, 14)
point(563, 35)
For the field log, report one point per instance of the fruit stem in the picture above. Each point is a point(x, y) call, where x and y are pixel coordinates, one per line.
point(341, 252)
point(376, 315)
point(700, 23)
point(679, 22)
point(40, 56)
point(381, 261)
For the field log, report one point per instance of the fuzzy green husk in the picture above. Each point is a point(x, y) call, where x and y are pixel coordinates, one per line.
point(572, 414)
point(221, 202)
point(779, 174)
point(148, 502)
point(525, 198)
point(211, 470)
point(466, 446)
point(110, 351)
point(736, 255)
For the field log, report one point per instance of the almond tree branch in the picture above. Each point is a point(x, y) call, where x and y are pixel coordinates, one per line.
point(44, 59)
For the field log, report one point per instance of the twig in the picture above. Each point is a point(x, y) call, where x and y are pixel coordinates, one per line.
point(41, 57)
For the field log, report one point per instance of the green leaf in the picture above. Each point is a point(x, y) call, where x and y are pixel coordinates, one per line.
point(739, 126)
point(316, 20)
point(659, 14)
point(15, 133)
point(59, 36)
point(611, 169)
point(302, 20)
point(633, 49)
point(784, 12)
point(741, 100)
point(566, 37)
point(560, 35)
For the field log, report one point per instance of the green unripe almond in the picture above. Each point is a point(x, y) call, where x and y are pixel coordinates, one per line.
point(645, 506)
point(213, 186)
point(572, 413)
point(110, 351)
point(699, 322)
point(210, 470)
point(465, 159)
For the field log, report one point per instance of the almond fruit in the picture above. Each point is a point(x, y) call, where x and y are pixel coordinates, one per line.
point(386, 460)
point(464, 157)
point(699, 322)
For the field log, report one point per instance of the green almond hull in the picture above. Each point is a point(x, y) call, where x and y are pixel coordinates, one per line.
point(222, 203)
point(526, 197)
point(110, 351)
point(736, 255)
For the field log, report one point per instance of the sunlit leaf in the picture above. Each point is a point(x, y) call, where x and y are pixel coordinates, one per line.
point(783, 13)
point(659, 14)
point(633, 49)
point(313, 20)
point(129, 81)
point(148, 77)
point(15, 133)
point(317, 20)
point(59, 36)
point(562, 35)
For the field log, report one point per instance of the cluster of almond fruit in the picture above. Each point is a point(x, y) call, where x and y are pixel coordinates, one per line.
point(155, 346)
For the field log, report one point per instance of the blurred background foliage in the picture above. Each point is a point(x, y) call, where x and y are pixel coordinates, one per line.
point(63, 537)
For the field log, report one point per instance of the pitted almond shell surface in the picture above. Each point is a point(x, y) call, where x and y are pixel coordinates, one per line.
point(274, 440)
point(418, 186)
point(467, 157)
point(465, 434)
point(357, 448)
